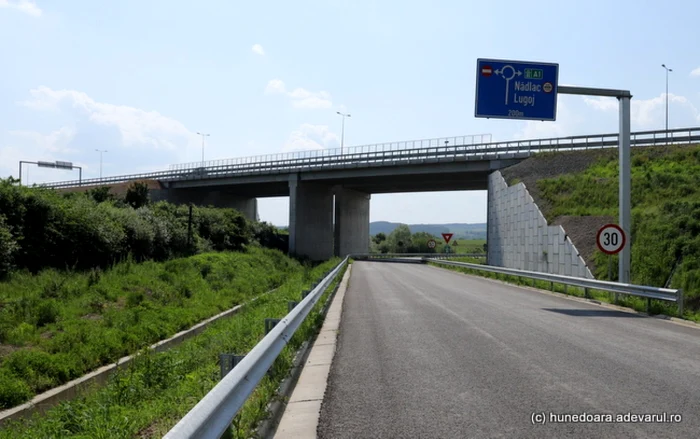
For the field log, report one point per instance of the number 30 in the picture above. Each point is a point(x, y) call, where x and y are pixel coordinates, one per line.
point(610, 239)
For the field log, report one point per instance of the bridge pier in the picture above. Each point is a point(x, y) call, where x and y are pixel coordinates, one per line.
point(310, 219)
point(247, 206)
point(351, 221)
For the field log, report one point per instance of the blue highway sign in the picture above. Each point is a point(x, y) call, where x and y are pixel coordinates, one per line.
point(516, 89)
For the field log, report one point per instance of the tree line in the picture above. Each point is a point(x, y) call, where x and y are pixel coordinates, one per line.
point(41, 228)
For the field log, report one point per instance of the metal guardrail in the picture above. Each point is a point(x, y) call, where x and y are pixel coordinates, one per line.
point(285, 163)
point(667, 294)
point(212, 416)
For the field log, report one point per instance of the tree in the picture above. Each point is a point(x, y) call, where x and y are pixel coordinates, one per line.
point(379, 238)
point(100, 194)
point(420, 242)
point(137, 195)
point(400, 239)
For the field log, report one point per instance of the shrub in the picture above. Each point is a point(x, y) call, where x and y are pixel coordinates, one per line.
point(137, 195)
point(13, 391)
point(47, 313)
point(8, 248)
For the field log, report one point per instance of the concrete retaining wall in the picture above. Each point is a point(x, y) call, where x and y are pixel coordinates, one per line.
point(519, 237)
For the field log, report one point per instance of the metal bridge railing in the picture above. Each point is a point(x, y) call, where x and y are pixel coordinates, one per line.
point(385, 155)
point(474, 139)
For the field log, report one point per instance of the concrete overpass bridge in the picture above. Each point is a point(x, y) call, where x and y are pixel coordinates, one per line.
point(330, 192)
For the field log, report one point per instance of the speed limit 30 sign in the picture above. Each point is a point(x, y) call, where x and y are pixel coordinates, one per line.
point(611, 239)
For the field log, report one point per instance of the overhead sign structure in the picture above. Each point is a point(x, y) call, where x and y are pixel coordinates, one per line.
point(516, 89)
point(57, 164)
point(611, 239)
point(447, 237)
point(431, 244)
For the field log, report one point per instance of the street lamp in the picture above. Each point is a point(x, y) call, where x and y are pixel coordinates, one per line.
point(342, 132)
point(667, 70)
point(101, 151)
point(203, 136)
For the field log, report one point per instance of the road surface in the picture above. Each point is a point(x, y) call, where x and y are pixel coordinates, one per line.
point(428, 353)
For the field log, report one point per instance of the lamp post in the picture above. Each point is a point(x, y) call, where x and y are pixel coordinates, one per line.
point(342, 131)
point(203, 136)
point(101, 151)
point(667, 71)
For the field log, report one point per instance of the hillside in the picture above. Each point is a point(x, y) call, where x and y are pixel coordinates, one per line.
point(461, 230)
point(579, 190)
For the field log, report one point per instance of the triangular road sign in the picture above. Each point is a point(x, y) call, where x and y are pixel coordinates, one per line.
point(447, 237)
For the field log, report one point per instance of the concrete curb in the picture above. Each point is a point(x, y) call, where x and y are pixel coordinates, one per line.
point(676, 320)
point(72, 389)
point(303, 408)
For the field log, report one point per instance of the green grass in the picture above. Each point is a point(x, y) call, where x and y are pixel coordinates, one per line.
point(156, 390)
point(56, 326)
point(665, 213)
point(464, 245)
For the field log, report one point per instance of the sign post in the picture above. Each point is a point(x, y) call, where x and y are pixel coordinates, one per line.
point(529, 90)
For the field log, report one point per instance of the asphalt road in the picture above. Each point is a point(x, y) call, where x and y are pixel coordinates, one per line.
point(428, 353)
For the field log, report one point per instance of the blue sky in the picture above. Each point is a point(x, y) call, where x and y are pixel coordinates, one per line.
point(140, 78)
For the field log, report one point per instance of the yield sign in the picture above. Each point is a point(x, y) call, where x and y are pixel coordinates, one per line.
point(447, 237)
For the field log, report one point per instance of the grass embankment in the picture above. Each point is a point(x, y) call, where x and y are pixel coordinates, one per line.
point(665, 215)
point(156, 390)
point(56, 326)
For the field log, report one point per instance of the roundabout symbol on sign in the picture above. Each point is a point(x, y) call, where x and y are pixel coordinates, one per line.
point(431, 244)
point(611, 239)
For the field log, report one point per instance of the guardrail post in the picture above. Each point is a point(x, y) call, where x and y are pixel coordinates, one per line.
point(679, 299)
point(586, 293)
point(648, 306)
point(227, 362)
point(291, 304)
point(269, 324)
point(304, 294)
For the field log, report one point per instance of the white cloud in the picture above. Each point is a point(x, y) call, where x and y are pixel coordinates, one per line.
point(650, 113)
point(55, 142)
point(695, 72)
point(301, 98)
point(311, 137)
point(602, 103)
point(257, 48)
point(136, 126)
point(568, 123)
point(275, 86)
point(26, 6)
